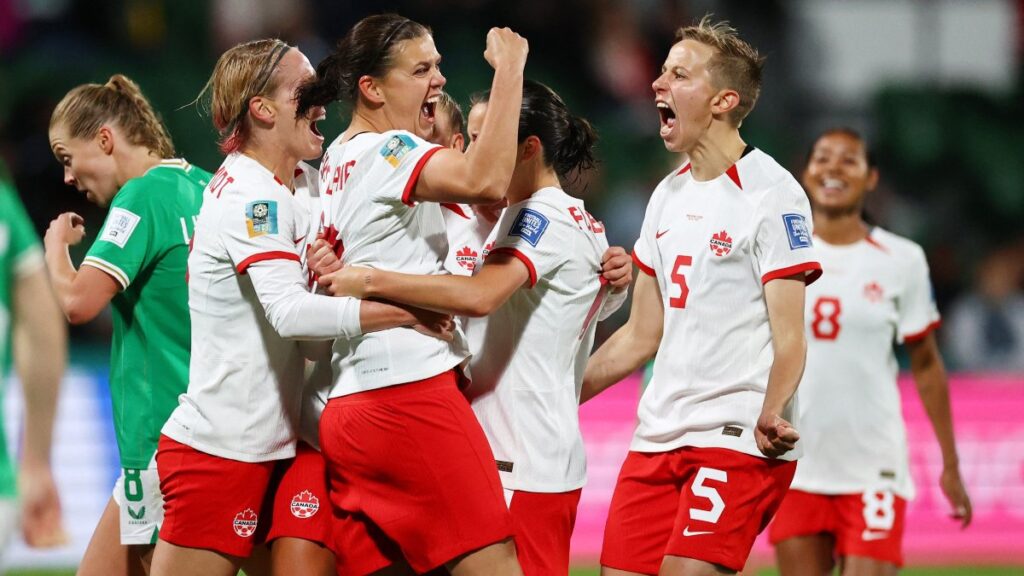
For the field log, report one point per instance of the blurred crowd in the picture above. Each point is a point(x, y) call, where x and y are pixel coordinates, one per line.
point(965, 208)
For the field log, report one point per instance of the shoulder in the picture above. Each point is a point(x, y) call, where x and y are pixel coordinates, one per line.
point(899, 247)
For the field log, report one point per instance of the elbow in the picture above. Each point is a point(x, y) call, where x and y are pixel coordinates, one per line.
point(477, 308)
point(79, 313)
point(493, 192)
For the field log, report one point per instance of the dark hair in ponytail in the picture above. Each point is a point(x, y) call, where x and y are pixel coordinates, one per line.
point(367, 50)
point(568, 140)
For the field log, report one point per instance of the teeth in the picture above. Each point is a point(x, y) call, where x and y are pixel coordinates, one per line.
point(662, 105)
point(833, 183)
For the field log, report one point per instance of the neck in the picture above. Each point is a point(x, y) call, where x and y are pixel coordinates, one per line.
point(367, 120)
point(134, 162)
point(522, 188)
point(840, 229)
point(274, 159)
point(719, 148)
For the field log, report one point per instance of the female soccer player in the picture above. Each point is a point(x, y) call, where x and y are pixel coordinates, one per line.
point(536, 303)
point(725, 251)
point(249, 303)
point(849, 495)
point(412, 477)
point(115, 150)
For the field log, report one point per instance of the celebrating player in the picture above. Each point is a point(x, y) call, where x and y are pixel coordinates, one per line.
point(115, 150)
point(849, 495)
point(540, 290)
point(249, 302)
point(726, 250)
point(32, 329)
point(395, 397)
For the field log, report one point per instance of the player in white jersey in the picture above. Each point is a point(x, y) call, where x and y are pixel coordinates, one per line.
point(395, 398)
point(534, 306)
point(848, 498)
point(249, 303)
point(726, 250)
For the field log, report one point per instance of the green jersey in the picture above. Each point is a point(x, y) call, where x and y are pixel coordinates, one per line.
point(20, 254)
point(144, 246)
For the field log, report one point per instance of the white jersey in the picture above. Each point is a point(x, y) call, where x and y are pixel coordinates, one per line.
point(712, 246)
point(874, 292)
point(247, 288)
point(529, 355)
point(467, 238)
point(368, 183)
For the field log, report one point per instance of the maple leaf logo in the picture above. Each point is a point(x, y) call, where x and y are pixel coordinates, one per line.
point(466, 257)
point(721, 243)
point(245, 523)
point(305, 504)
point(873, 292)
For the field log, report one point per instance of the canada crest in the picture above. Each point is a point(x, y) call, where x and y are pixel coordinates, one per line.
point(873, 292)
point(305, 504)
point(721, 243)
point(245, 523)
point(466, 257)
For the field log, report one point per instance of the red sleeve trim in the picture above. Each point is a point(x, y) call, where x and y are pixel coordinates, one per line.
point(522, 258)
point(918, 336)
point(415, 176)
point(813, 270)
point(455, 208)
point(262, 256)
point(644, 267)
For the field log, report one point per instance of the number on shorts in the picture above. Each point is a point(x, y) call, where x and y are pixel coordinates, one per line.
point(701, 491)
point(133, 484)
point(680, 280)
point(879, 513)
point(826, 318)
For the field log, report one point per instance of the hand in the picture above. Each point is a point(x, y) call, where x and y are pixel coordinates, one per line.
point(41, 522)
point(617, 268)
point(434, 324)
point(68, 229)
point(506, 48)
point(348, 281)
point(774, 435)
point(321, 259)
point(953, 487)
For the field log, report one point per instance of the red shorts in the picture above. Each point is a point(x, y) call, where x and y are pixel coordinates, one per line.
point(411, 475)
point(703, 503)
point(543, 525)
point(869, 525)
point(211, 502)
point(301, 507)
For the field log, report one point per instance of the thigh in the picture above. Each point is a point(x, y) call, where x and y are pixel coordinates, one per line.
point(300, 506)
point(872, 526)
point(105, 555)
point(805, 555)
point(172, 560)
point(642, 514)
point(543, 527)
point(727, 499)
point(298, 556)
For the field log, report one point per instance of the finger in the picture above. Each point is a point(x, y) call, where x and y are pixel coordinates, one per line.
point(76, 220)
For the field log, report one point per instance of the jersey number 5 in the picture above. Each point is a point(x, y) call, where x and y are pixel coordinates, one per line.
point(826, 318)
point(701, 491)
point(679, 279)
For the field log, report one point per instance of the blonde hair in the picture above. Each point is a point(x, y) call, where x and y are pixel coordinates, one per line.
point(88, 107)
point(241, 74)
point(447, 105)
point(736, 64)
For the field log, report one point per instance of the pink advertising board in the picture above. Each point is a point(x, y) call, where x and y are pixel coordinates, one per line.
point(988, 414)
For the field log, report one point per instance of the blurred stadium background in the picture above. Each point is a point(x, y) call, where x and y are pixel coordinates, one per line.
point(936, 85)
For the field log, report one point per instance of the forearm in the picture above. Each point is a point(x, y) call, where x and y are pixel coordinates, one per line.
point(445, 293)
point(933, 387)
point(621, 355)
point(376, 316)
point(297, 314)
point(787, 369)
point(492, 157)
point(62, 276)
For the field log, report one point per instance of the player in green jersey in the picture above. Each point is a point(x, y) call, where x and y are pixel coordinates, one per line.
point(34, 337)
point(115, 150)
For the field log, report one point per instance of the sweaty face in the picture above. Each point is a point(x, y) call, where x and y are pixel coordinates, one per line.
point(683, 94)
point(413, 86)
point(87, 166)
point(300, 136)
point(837, 176)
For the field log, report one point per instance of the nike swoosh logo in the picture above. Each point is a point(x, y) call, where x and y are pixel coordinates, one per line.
point(300, 239)
point(868, 535)
point(658, 235)
point(686, 532)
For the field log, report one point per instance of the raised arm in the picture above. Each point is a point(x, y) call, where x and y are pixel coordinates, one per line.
point(483, 173)
point(632, 345)
point(477, 295)
point(81, 294)
point(933, 387)
point(784, 298)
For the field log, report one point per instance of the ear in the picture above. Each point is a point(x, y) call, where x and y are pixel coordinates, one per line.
point(725, 101)
point(872, 182)
point(105, 139)
point(458, 142)
point(262, 109)
point(530, 148)
point(370, 89)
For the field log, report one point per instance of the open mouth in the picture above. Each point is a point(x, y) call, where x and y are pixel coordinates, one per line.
point(313, 127)
point(667, 116)
point(429, 108)
point(833, 185)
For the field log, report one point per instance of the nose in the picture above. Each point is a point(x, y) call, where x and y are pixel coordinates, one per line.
point(659, 83)
point(439, 79)
point(69, 178)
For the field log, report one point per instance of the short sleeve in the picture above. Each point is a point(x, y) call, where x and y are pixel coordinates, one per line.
point(19, 236)
point(536, 234)
point(259, 225)
point(782, 244)
point(645, 246)
point(126, 240)
point(397, 164)
point(918, 314)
